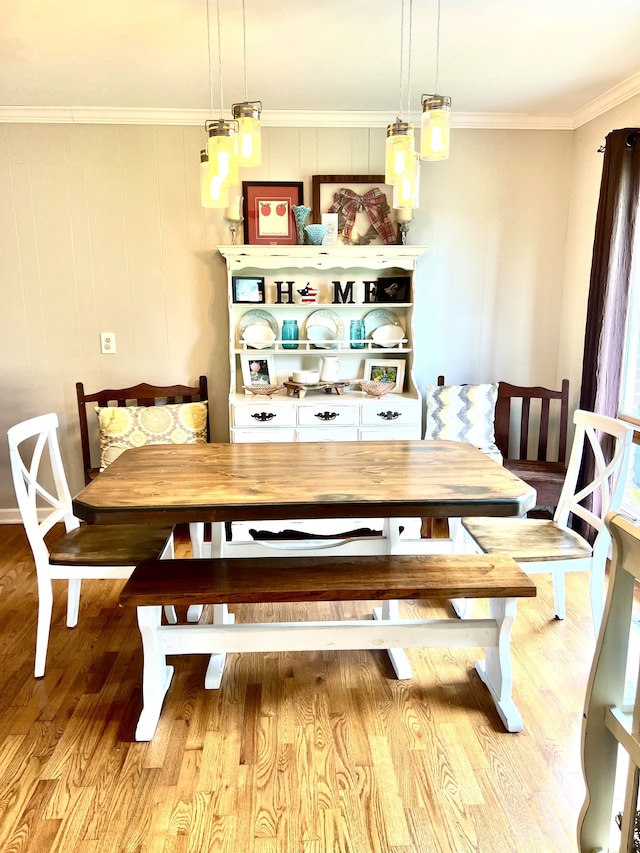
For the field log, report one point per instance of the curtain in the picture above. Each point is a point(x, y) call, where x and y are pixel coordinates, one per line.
point(610, 277)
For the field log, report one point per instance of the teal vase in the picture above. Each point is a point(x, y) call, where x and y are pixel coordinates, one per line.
point(300, 214)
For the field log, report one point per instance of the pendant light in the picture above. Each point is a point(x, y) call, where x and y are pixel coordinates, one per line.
point(434, 137)
point(222, 143)
point(399, 150)
point(247, 115)
point(213, 193)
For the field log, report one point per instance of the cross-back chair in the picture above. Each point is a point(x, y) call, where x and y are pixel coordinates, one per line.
point(84, 551)
point(550, 546)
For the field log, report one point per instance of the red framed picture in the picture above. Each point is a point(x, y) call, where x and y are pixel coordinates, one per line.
point(267, 209)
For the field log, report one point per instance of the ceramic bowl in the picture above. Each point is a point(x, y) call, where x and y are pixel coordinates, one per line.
point(258, 336)
point(321, 337)
point(316, 234)
point(306, 377)
point(387, 336)
point(263, 390)
point(377, 389)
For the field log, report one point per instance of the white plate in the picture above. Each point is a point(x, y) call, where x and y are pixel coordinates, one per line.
point(328, 319)
point(379, 317)
point(257, 317)
point(258, 336)
point(321, 336)
point(387, 335)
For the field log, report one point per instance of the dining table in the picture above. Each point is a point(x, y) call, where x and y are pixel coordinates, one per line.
point(226, 482)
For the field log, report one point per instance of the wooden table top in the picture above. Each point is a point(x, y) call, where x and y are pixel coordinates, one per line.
point(237, 482)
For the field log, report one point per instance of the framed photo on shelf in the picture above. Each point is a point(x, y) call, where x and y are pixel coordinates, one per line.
point(385, 370)
point(247, 289)
point(258, 369)
point(337, 190)
point(393, 289)
point(267, 208)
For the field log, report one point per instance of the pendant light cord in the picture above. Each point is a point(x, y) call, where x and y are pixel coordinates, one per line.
point(244, 50)
point(209, 54)
point(437, 49)
point(401, 55)
point(409, 61)
point(220, 59)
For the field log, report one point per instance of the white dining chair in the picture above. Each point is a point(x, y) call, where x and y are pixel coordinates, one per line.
point(84, 551)
point(551, 546)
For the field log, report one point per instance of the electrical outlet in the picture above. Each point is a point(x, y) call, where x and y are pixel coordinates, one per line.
point(107, 343)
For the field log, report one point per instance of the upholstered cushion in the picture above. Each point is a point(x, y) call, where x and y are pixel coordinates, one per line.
point(123, 427)
point(463, 413)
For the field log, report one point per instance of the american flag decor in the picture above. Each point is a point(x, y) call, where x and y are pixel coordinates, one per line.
point(308, 294)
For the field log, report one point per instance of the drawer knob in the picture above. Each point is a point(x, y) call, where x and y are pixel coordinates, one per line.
point(389, 416)
point(326, 416)
point(263, 416)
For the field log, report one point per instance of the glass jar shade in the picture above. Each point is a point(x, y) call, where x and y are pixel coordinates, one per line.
point(434, 137)
point(223, 157)
point(249, 142)
point(399, 152)
point(406, 193)
point(213, 193)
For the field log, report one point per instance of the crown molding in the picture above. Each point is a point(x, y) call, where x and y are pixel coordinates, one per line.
point(325, 118)
point(617, 95)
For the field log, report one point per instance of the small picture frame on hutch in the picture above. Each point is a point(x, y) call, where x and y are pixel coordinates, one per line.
point(374, 224)
point(393, 289)
point(247, 289)
point(267, 210)
point(258, 369)
point(385, 370)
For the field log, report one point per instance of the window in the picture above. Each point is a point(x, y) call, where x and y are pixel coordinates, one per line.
point(630, 389)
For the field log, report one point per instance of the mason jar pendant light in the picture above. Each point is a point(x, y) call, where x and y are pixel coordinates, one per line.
point(247, 114)
point(434, 136)
point(399, 149)
point(213, 193)
point(219, 161)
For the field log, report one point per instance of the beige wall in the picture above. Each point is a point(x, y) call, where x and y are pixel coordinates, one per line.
point(102, 230)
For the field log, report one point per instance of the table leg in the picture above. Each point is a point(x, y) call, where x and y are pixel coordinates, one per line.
point(495, 670)
point(156, 675)
point(215, 668)
point(398, 657)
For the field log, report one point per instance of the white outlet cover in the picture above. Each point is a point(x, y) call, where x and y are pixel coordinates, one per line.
point(107, 343)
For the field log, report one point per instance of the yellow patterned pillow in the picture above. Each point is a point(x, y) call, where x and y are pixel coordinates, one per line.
point(463, 413)
point(123, 427)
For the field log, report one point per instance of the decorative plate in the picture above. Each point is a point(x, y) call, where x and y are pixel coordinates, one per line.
point(257, 317)
point(324, 317)
point(379, 317)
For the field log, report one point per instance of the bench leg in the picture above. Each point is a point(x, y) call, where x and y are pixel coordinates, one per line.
point(156, 675)
point(215, 668)
point(398, 657)
point(495, 671)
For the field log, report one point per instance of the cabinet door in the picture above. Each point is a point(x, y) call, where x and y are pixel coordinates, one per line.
point(243, 436)
point(390, 434)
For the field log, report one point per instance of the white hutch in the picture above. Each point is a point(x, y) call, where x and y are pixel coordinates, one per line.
point(332, 284)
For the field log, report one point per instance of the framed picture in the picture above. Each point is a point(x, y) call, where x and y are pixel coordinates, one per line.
point(258, 370)
point(393, 289)
point(375, 223)
point(385, 370)
point(247, 289)
point(267, 209)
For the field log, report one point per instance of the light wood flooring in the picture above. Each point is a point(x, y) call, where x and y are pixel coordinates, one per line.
point(296, 753)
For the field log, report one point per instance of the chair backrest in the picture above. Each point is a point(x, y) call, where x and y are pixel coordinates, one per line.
point(524, 414)
point(524, 417)
point(30, 466)
point(603, 494)
point(137, 395)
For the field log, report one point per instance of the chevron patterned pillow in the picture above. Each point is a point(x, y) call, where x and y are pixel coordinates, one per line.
point(463, 413)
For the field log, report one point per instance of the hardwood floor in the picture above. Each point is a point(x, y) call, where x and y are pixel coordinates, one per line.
point(296, 753)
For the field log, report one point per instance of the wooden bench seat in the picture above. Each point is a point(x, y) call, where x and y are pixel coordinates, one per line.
point(297, 579)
